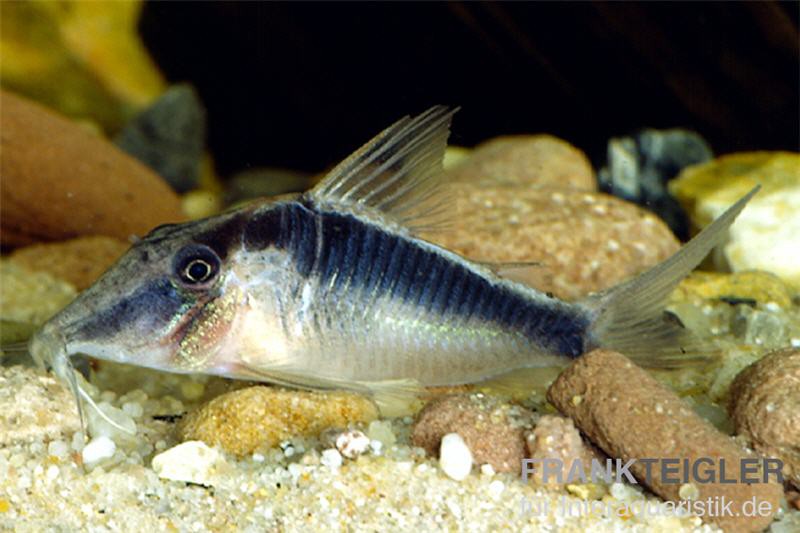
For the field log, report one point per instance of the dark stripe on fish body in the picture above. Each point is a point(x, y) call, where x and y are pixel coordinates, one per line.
point(366, 256)
point(442, 294)
point(225, 236)
point(363, 257)
point(302, 237)
point(265, 228)
point(407, 275)
point(431, 281)
point(383, 248)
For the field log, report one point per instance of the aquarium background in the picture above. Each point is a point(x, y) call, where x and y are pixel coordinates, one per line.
point(300, 85)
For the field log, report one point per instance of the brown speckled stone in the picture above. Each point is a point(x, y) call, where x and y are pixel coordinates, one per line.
point(491, 429)
point(526, 160)
point(765, 408)
point(630, 415)
point(556, 437)
point(77, 261)
point(260, 417)
point(583, 241)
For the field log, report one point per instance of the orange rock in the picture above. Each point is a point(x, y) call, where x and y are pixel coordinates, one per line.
point(78, 261)
point(527, 160)
point(631, 416)
point(582, 241)
point(492, 430)
point(59, 181)
point(765, 408)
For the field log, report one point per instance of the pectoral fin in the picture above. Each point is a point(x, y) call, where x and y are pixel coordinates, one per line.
point(398, 397)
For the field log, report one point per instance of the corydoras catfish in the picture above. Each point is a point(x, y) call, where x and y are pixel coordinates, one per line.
point(332, 289)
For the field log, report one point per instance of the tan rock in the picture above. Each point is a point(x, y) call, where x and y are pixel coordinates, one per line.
point(260, 417)
point(491, 429)
point(34, 407)
point(761, 287)
point(31, 297)
point(582, 241)
point(765, 408)
point(525, 160)
point(59, 181)
point(766, 236)
point(77, 261)
point(631, 416)
point(556, 437)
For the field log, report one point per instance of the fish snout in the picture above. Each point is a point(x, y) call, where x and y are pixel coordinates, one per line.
point(47, 346)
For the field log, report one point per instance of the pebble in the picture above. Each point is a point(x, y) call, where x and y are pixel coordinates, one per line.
point(192, 462)
point(381, 431)
point(760, 288)
point(56, 182)
point(30, 297)
point(47, 413)
point(58, 448)
point(618, 413)
point(455, 458)
point(579, 241)
point(352, 443)
point(97, 449)
point(99, 426)
point(496, 489)
point(169, 136)
point(78, 261)
point(529, 160)
point(766, 235)
point(247, 420)
point(638, 169)
point(331, 458)
point(556, 437)
point(493, 430)
point(765, 408)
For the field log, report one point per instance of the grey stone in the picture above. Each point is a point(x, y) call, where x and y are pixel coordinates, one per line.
point(169, 137)
point(639, 167)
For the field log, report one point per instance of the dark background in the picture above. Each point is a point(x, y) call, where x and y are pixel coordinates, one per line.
point(302, 85)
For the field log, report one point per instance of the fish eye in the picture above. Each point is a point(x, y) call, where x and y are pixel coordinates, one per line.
point(196, 265)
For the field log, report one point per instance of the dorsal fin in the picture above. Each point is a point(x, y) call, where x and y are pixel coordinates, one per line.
point(397, 172)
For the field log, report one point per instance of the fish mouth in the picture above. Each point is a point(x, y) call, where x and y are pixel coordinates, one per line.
point(48, 347)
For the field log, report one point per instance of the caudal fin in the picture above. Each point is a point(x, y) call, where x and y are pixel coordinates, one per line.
point(630, 317)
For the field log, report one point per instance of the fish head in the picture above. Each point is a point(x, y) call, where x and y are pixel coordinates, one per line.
point(166, 304)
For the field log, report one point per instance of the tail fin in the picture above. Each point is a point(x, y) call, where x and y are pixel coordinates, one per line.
point(629, 317)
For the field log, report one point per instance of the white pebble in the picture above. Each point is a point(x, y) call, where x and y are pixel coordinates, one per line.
point(376, 446)
point(192, 461)
point(352, 443)
point(487, 470)
point(52, 472)
point(133, 408)
point(58, 448)
point(382, 430)
point(78, 441)
point(455, 459)
point(496, 489)
point(97, 449)
point(100, 426)
point(331, 458)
